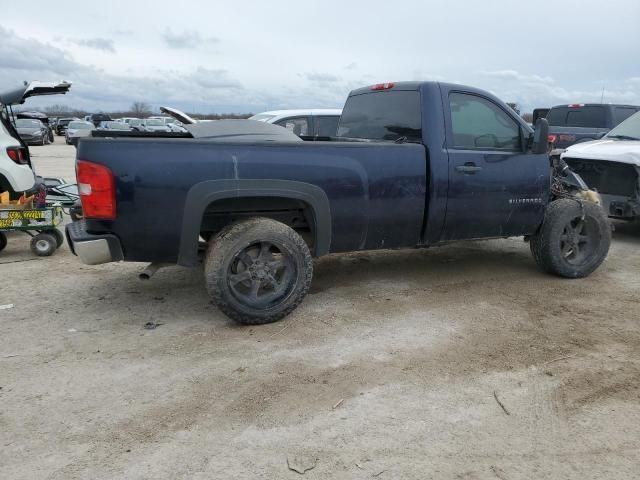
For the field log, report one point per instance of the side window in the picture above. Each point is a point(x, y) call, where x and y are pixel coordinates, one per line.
point(477, 123)
point(327, 126)
point(298, 125)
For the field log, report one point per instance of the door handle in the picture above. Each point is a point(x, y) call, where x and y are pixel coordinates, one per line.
point(468, 167)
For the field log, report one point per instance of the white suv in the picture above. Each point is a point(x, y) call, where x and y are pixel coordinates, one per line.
point(16, 174)
point(318, 122)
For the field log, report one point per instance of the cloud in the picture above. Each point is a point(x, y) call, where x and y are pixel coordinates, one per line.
point(94, 89)
point(531, 90)
point(187, 39)
point(513, 75)
point(103, 44)
point(322, 77)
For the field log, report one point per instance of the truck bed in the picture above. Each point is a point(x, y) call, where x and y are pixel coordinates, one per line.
point(375, 191)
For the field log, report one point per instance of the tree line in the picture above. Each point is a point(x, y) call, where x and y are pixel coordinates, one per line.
point(136, 109)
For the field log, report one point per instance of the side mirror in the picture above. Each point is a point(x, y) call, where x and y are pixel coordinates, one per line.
point(540, 142)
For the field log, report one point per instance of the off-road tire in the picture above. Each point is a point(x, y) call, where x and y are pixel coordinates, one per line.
point(43, 244)
point(547, 245)
point(227, 248)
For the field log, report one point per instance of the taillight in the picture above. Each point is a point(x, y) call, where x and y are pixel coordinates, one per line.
point(382, 86)
point(575, 105)
point(552, 138)
point(97, 190)
point(17, 154)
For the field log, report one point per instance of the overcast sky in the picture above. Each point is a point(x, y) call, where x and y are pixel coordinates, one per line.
point(250, 55)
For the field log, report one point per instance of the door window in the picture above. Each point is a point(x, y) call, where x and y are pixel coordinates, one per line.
point(298, 125)
point(479, 124)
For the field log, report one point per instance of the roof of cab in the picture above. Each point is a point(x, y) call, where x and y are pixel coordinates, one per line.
point(303, 112)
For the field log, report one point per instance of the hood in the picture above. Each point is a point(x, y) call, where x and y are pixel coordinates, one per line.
point(622, 151)
point(178, 115)
point(19, 95)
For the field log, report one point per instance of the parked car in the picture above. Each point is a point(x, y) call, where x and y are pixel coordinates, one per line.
point(43, 118)
point(612, 166)
point(583, 122)
point(33, 132)
point(313, 123)
point(98, 118)
point(111, 125)
point(61, 125)
point(414, 164)
point(155, 125)
point(16, 173)
point(173, 124)
point(76, 130)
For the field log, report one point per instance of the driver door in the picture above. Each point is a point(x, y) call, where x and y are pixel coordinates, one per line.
point(496, 186)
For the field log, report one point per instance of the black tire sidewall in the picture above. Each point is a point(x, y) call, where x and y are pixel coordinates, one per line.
point(547, 245)
point(3, 241)
point(227, 244)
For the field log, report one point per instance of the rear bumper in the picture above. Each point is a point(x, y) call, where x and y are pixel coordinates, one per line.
point(93, 249)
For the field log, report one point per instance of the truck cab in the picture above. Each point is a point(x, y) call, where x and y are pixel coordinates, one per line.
point(483, 179)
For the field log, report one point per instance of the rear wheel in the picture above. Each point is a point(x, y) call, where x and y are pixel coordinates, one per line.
point(3, 241)
point(573, 240)
point(258, 270)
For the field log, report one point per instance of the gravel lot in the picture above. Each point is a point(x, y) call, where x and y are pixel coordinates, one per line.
point(458, 362)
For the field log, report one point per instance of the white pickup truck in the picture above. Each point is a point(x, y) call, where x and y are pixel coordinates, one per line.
point(611, 166)
point(16, 173)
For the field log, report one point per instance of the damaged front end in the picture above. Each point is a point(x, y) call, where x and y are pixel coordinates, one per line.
point(567, 183)
point(617, 183)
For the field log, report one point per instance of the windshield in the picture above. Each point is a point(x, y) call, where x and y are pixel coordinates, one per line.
point(154, 122)
point(80, 125)
point(389, 115)
point(262, 117)
point(629, 129)
point(24, 123)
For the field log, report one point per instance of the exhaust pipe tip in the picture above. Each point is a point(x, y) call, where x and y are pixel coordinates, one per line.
point(151, 270)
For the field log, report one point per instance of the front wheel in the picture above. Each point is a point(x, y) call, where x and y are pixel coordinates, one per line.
point(574, 238)
point(258, 271)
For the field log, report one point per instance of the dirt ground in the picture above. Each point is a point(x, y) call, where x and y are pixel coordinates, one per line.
point(458, 362)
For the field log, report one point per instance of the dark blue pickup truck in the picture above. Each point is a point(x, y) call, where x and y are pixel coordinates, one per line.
point(414, 164)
